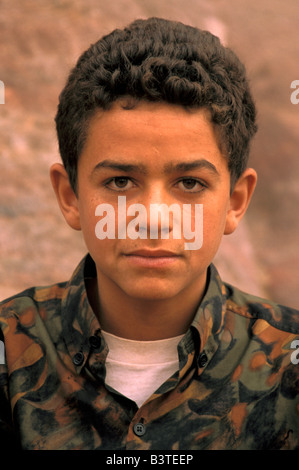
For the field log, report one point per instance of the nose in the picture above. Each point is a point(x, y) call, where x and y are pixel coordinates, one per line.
point(162, 214)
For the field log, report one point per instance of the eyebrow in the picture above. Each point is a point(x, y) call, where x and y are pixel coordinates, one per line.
point(194, 165)
point(125, 167)
point(168, 168)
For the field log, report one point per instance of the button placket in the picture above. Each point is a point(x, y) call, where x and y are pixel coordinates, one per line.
point(98, 351)
point(78, 359)
point(202, 359)
point(139, 429)
point(95, 341)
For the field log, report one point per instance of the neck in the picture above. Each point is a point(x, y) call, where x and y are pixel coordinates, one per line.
point(143, 319)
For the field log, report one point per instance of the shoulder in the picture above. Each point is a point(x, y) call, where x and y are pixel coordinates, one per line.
point(47, 297)
point(256, 308)
point(32, 299)
point(28, 320)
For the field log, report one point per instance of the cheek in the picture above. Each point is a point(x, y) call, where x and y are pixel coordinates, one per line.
point(101, 250)
point(89, 220)
point(213, 226)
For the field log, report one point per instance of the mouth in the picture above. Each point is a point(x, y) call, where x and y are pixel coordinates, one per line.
point(152, 253)
point(152, 258)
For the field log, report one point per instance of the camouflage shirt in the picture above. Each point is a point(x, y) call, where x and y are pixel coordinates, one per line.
point(236, 387)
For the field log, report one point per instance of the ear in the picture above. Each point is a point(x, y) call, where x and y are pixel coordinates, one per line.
point(240, 199)
point(66, 197)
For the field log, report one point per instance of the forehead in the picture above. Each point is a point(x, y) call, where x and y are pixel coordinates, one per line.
point(151, 133)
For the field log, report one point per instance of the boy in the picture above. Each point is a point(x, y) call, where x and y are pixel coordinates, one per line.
point(145, 347)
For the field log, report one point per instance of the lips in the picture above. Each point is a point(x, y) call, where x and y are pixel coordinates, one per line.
point(152, 259)
point(152, 253)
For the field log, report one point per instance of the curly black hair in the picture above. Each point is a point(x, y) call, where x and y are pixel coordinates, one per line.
point(163, 61)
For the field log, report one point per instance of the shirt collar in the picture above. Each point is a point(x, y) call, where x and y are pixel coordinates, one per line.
point(201, 340)
point(79, 321)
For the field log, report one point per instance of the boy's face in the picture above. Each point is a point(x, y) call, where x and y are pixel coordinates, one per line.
point(154, 153)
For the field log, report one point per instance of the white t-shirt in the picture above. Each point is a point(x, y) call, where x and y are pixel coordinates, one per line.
point(136, 369)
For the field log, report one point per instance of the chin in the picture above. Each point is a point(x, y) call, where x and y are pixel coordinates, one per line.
point(151, 291)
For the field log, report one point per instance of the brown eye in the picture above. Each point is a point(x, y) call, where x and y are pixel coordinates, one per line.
point(121, 182)
point(191, 185)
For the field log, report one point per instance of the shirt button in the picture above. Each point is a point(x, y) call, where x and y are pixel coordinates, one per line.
point(139, 429)
point(78, 359)
point(95, 341)
point(202, 359)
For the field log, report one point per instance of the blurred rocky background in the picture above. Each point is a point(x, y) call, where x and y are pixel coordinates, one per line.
point(41, 40)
